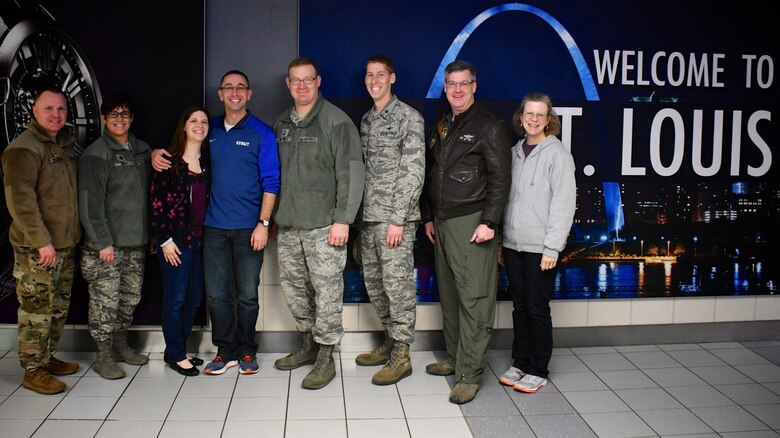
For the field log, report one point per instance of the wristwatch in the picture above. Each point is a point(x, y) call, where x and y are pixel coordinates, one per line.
point(264, 222)
point(35, 54)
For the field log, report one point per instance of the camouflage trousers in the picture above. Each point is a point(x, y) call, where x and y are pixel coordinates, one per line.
point(312, 277)
point(114, 289)
point(389, 278)
point(44, 298)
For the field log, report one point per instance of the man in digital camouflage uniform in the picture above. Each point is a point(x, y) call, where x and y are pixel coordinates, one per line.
point(322, 176)
point(39, 169)
point(394, 153)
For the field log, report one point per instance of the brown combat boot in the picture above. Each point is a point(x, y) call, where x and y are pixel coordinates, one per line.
point(463, 392)
point(57, 367)
point(305, 356)
point(42, 382)
point(398, 367)
point(378, 356)
point(443, 368)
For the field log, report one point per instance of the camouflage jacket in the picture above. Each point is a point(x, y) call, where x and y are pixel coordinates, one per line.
point(394, 153)
point(40, 189)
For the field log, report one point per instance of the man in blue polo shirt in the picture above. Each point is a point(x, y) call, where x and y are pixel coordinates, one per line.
point(244, 185)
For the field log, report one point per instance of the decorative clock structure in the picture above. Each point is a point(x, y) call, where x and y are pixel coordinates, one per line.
point(35, 54)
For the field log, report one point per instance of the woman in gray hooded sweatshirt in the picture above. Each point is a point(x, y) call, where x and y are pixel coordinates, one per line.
point(537, 221)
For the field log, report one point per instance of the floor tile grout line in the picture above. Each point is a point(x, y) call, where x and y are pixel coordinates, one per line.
point(736, 403)
point(343, 394)
point(707, 384)
point(403, 408)
point(230, 402)
point(607, 386)
point(168, 414)
point(287, 406)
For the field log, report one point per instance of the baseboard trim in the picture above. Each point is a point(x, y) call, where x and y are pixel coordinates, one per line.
point(150, 338)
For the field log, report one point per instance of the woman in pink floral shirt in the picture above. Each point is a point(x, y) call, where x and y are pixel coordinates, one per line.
point(179, 198)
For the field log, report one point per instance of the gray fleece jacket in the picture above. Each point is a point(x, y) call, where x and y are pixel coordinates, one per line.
point(542, 199)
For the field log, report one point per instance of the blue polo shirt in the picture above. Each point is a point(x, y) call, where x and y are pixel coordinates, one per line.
point(244, 165)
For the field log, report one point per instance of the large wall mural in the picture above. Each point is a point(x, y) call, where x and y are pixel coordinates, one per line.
point(666, 107)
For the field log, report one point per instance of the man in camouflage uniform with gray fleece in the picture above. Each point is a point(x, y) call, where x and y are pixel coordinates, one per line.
point(322, 176)
point(39, 169)
point(394, 152)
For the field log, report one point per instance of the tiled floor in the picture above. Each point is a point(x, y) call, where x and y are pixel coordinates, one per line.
point(705, 390)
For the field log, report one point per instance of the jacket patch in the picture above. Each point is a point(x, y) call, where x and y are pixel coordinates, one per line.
point(284, 135)
point(242, 143)
point(467, 138)
point(56, 156)
point(308, 139)
point(121, 161)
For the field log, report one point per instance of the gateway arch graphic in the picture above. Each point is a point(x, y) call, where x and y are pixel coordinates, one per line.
point(588, 86)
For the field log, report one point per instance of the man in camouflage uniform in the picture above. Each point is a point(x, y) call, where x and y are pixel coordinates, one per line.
point(322, 178)
point(40, 190)
point(394, 152)
point(114, 176)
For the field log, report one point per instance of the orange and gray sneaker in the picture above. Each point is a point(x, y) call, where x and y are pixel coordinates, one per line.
point(248, 364)
point(511, 376)
point(219, 365)
point(530, 383)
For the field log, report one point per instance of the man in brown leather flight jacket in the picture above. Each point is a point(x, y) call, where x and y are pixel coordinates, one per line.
point(466, 189)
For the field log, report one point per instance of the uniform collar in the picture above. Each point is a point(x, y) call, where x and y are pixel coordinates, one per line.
point(37, 130)
point(387, 110)
point(306, 121)
point(112, 142)
point(463, 117)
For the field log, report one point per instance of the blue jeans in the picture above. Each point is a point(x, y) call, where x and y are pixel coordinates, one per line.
point(232, 270)
point(183, 293)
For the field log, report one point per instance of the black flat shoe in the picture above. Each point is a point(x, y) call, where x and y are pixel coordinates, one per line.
point(196, 361)
point(189, 372)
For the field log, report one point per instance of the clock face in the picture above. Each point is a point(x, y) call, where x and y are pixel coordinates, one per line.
point(48, 58)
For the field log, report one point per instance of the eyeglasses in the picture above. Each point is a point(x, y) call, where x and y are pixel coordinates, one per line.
point(457, 85)
point(306, 81)
point(231, 88)
point(531, 116)
point(123, 114)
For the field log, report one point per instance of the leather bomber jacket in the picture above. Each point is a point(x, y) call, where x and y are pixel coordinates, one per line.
point(468, 167)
